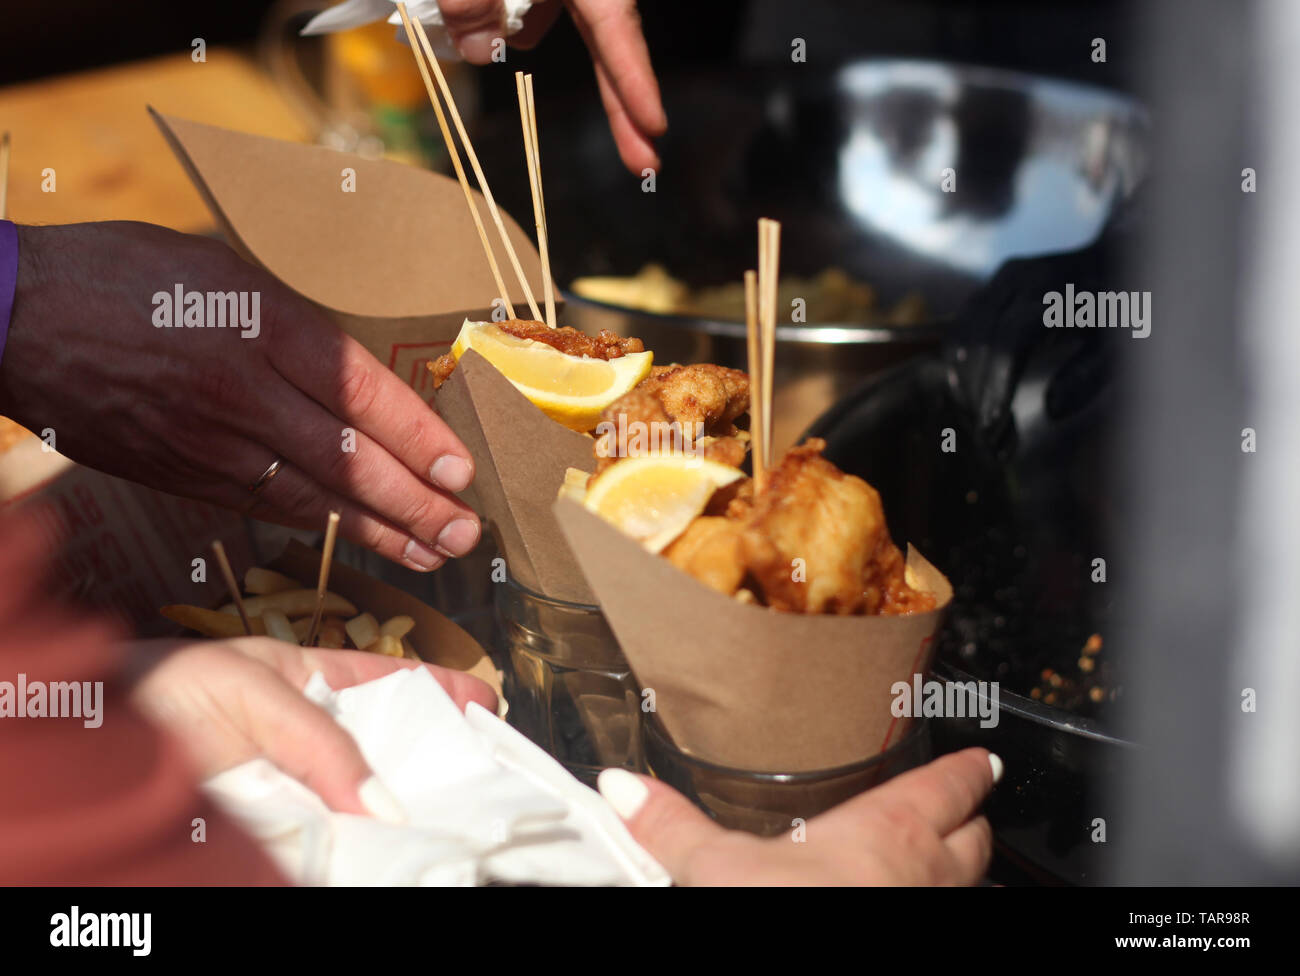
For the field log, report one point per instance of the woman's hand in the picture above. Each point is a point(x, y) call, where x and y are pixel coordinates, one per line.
point(231, 701)
point(918, 829)
point(203, 412)
point(612, 32)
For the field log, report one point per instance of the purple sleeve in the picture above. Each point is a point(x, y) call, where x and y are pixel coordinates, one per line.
point(8, 277)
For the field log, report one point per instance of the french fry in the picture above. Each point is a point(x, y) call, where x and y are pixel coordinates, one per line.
point(278, 626)
point(298, 603)
point(389, 646)
point(262, 582)
point(364, 630)
point(280, 607)
point(211, 623)
point(575, 484)
point(399, 626)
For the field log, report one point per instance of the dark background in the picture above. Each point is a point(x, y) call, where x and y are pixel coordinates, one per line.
point(43, 38)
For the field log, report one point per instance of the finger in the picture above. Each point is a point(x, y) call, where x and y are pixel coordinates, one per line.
point(659, 818)
point(348, 462)
point(329, 366)
point(292, 498)
point(537, 22)
point(612, 32)
point(971, 846)
point(305, 742)
point(343, 669)
point(473, 26)
point(635, 149)
point(944, 793)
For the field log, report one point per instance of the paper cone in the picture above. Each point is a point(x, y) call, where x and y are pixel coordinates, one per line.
point(435, 638)
point(746, 686)
point(520, 456)
point(396, 262)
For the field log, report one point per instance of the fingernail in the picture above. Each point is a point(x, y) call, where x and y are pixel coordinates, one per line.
point(458, 537)
point(995, 761)
point(451, 472)
point(622, 791)
point(421, 557)
point(476, 47)
point(381, 803)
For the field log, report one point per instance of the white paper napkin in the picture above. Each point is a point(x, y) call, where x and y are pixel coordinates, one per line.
point(354, 13)
point(482, 802)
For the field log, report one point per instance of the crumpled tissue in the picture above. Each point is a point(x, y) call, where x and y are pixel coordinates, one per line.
point(355, 13)
point(482, 802)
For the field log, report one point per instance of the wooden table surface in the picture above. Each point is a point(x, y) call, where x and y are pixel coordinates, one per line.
point(109, 159)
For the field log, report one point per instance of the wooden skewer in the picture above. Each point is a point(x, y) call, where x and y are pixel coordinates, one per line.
point(4, 176)
point(322, 580)
point(534, 183)
point(755, 383)
point(478, 170)
point(548, 284)
point(769, 236)
point(762, 298)
point(455, 161)
point(231, 584)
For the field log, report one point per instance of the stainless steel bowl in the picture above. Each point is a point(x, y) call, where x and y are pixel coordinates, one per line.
point(816, 365)
point(852, 161)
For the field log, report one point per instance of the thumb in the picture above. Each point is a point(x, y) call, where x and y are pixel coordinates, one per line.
point(474, 25)
point(659, 818)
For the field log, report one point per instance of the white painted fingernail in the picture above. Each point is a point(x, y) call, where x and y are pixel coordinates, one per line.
point(381, 803)
point(622, 791)
point(995, 762)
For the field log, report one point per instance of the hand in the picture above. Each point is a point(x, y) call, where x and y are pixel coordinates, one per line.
point(917, 829)
point(232, 701)
point(202, 412)
point(612, 32)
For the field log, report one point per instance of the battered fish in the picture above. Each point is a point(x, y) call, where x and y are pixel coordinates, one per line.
point(816, 542)
point(704, 393)
point(704, 401)
point(711, 550)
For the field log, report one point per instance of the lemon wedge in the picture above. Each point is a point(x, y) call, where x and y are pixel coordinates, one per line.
point(571, 390)
point(654, 498)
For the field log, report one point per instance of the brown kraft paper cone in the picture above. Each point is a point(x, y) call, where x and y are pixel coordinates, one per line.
point(395, 261)
point(520, 456)
point(746, 686)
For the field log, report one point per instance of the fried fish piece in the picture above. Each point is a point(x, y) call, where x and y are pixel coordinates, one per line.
point(711, 550)
point(639, 421)
point(723, 450)
point(604, 345)
point(704, 393)
point(633, 409)
point(442, 368)
point(816, 542)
